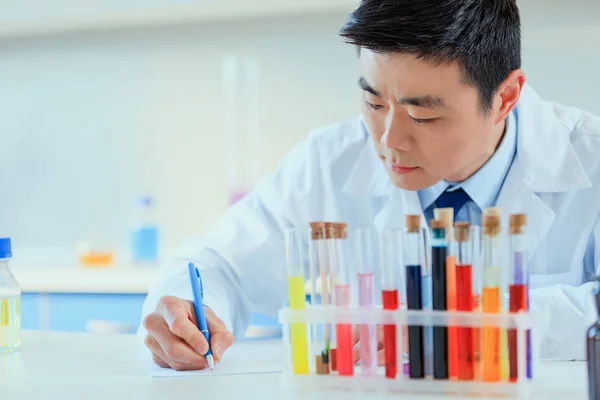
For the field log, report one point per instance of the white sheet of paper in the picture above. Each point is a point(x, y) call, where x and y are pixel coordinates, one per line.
point(244, 357)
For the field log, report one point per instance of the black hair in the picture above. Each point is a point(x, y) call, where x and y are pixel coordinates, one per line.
point(483, 37)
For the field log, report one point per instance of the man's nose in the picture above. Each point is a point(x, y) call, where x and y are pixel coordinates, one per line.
point(396, 135)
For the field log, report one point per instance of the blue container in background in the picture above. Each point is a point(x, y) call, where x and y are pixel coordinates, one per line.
point(144, 237)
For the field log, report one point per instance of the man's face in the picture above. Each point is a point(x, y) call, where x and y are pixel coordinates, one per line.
point(426, 124)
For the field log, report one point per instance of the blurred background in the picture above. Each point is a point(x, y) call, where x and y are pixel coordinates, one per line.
point(128, 125)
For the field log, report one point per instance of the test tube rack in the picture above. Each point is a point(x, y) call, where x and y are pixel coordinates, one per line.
point(523, 388)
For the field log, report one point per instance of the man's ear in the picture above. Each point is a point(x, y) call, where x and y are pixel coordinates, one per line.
point(508, 94)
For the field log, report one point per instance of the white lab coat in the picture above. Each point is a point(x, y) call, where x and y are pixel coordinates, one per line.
point(336, 175)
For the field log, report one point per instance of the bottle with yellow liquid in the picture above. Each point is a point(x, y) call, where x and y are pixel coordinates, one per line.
point(10, 302)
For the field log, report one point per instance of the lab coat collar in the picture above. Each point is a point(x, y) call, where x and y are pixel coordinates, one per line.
point(544, 150)
point(546, 162)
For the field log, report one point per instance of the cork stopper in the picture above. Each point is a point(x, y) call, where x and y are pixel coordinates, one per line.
point(317, 230)
point(491, 225)
point(328, 230)
point(446, 215)
point(322, 367)
point(413, 223)
point(437, 224)
point(462, 231)
point(340, 230)
point(517, 223)
point(492, 211)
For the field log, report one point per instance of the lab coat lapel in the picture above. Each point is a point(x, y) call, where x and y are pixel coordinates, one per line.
point(517, 197)
point(545, 163)
point(396, 207)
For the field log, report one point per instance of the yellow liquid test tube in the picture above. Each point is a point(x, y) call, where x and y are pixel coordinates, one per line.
point(297, 300)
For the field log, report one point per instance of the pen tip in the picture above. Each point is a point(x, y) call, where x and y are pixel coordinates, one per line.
point(211, 363)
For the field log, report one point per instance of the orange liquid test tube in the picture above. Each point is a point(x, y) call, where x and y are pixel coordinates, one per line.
point(492, 282)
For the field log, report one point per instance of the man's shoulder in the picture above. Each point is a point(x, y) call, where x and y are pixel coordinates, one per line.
point(579, 121)
point(340, 135)
point(584, 133)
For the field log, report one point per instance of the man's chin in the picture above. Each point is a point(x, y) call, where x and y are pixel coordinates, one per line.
point(412, 184)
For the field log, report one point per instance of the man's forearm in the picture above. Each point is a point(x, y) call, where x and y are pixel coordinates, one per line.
point(562, 314)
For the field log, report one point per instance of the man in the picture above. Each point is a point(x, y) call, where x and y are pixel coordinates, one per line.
point(447, 120)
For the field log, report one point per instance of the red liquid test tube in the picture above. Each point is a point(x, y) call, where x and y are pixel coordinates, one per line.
point(391, 242)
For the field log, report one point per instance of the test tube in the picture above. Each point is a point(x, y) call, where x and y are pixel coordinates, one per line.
point(390, 245)
point(297, 299)
point(366, 299)
point(464, 290)
point(439, 252)
point(319, 295)
point(518, 290)
point(343, 299)
point(427, 287)
point(475, 237)
point(330, 275)
point(503, 296)
point(447, 216)
point(492, 301)
point(414, 294)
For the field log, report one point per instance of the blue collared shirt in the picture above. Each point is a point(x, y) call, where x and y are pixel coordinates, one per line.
point(484, 186)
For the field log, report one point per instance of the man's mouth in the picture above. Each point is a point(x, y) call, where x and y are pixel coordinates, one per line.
point(402, 169)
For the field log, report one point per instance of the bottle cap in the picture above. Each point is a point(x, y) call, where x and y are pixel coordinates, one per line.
point(5, 248)
point(340, 230)
point(462, 231)
point(517, 223)
point(438, 224)
point(413, 223)
point(317, 230)
point(446, 215)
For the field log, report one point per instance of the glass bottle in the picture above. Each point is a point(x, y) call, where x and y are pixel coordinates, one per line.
point(593, 349)
point(10, 302)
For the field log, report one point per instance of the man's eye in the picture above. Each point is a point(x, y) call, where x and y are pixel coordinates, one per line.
point(374, 106)
point(423, 121)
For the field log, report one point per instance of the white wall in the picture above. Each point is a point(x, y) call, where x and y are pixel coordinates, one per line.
point(90, 121)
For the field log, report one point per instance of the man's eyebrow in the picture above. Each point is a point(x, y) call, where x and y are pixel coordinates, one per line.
point(423, 101)
point(364, 85)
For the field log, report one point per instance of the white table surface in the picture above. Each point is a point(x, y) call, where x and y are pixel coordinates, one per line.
point(60, 366)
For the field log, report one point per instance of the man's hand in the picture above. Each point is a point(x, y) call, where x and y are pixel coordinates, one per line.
point(380, 349)
point(175, 340)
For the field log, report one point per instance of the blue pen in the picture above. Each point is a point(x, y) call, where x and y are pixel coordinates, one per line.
point(196, 281)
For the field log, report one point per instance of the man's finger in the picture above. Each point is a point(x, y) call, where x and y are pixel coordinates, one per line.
point(160, 358)
point(159, 361)
point(189, 332)
point(220, 341)
point(220, 337)
point(182, 323)
point(175, 349)
point(158, 355)
point(379, 337)
point(381, 357)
